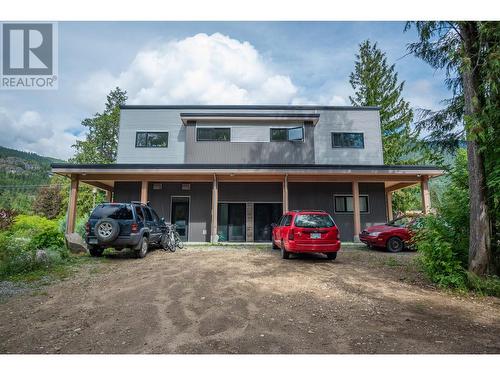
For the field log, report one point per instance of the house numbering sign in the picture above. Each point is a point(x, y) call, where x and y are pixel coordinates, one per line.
point(29, 59)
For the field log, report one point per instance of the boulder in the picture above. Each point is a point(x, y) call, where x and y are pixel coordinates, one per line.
point(75, 243)
point(41, 256)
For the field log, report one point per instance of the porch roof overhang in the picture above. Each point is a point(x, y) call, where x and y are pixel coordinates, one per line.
point(253, 117)
point(104, 176)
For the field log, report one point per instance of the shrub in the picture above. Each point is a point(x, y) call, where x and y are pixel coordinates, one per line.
point(440, 259)
point(443, 240)
point(19, 245)
point(79, 225)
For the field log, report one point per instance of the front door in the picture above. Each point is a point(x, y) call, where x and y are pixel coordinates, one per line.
point(180, 216)
point(232, 222)
point(264, 215)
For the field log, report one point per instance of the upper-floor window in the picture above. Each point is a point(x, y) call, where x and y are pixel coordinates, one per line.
point(343, 203)
point(348, 140)
point(278, 135)
point(151, 139)
point(213, 134)
point(287, 134)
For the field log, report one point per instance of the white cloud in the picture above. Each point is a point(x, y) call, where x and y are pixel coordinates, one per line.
point(422, 94)
point(30, 132)
point(202, 69)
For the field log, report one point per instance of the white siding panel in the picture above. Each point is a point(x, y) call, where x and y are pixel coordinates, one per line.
point(250, 134)
point(134, 120)
point(366, 122)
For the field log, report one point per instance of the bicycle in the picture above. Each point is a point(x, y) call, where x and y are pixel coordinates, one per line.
point(170, 239)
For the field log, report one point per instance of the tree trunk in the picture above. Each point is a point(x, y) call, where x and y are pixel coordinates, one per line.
point(479, 238)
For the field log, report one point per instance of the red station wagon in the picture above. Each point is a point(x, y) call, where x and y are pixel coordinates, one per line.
point(306, 232)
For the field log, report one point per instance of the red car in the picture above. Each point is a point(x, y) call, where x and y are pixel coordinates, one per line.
point(306, 232)
point(394, 235)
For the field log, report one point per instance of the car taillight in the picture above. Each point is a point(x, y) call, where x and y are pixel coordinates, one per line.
point(134, 227)
point(87, 228)
point(291, 235)
point(336, 232)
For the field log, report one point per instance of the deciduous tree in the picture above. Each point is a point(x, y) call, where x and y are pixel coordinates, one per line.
point(101, 141)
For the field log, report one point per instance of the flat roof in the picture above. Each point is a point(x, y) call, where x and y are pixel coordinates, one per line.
point(76, 168)
point(250, 107)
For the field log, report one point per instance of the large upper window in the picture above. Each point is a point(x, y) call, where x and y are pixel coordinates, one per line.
point(287, 134)
point(213, 134)
point(348, 140)
point(343, 203)
point(151, 139)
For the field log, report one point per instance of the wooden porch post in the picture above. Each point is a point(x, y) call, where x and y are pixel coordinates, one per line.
point(144, 192)
point(73, 196)
point(355, 209)
point(389, 205)
point(215, 199)
point(109, 196)
point(426, 197)
point(285, 194)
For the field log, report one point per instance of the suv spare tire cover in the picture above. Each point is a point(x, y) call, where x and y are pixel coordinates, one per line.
point(106, 230)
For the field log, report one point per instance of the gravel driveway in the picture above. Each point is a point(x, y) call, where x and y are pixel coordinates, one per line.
point(248, 300)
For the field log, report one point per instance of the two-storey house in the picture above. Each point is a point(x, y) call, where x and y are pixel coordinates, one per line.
point(226, 173)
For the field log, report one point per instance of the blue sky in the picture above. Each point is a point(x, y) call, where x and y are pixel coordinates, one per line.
point(203, 63)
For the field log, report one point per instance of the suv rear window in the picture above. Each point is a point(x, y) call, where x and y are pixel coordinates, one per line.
point(314, 221)
point(113, 211)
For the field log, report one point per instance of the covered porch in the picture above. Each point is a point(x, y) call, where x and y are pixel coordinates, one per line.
point(207, 188)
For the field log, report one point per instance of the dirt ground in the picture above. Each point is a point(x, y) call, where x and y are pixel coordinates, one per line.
point(248, 300)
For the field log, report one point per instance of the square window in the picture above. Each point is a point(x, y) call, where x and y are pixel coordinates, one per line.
point(344, 204)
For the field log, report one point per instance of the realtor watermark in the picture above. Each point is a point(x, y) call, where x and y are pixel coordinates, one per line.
point(29, 56)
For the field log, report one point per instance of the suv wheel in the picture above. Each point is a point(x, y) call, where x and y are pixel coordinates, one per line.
point(143, 249)
point(284, 254)
point(394, 245)
point(96, 251)
point(106, 230)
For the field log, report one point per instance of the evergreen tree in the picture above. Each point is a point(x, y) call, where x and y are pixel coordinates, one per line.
point(375, 83)
point(469, 53)
point(101, 142)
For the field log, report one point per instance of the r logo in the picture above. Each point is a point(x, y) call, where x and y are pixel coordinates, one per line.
point(27, 49)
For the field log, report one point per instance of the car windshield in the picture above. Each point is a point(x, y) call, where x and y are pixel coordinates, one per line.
point(400, 222)
point(112, 211)
point(314, 221)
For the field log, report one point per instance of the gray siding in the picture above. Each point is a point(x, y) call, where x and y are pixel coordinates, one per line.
point(260, 151)
point(317, 147)
point(366, 122)
point(301, 195)
point(319, 196)
point(250, 192)
point(200, 203)
point(164, 120)
point(127, 191)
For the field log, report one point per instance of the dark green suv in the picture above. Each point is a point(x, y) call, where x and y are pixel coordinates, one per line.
point(123, 225)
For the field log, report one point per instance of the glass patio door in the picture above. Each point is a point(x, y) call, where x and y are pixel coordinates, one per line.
point(232, 222)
